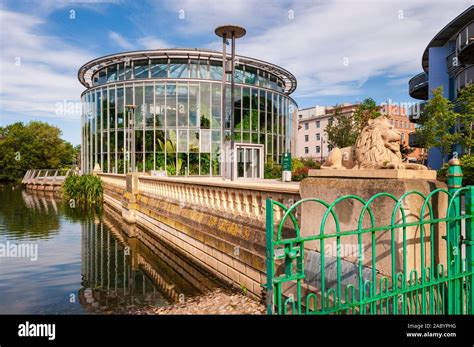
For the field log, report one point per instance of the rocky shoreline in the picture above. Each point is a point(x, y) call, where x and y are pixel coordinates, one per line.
point(216, 302)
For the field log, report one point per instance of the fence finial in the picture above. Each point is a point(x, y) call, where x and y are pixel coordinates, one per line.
point(454, 176)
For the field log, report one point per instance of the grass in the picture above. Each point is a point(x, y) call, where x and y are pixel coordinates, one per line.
point(83, 190)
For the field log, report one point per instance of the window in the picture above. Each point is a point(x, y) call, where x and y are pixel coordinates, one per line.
point(403, 137)
point(306, 126)
point(159, 68)
point(306, 138)
point(318, 149)
point(318, 124)
point(140, 68)
point(318, 137)
point(306, 150)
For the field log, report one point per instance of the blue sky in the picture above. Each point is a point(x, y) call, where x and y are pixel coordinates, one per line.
point(339, 50)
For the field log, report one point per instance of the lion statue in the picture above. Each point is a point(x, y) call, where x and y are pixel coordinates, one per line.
point(377, 147)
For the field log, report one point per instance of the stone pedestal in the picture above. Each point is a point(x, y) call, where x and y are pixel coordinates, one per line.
point(331, 184)
point(129, 201)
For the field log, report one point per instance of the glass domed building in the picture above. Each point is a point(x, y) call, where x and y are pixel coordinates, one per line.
point(163, 110)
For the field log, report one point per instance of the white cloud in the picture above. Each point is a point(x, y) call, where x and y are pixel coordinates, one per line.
point(120, 41)
point(37, 71)
point(314, 39)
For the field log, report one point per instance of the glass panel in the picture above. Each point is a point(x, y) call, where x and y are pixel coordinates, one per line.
point(193, 140)
point(205, 161)
point(262, 110)
point(121, 73)
point(171, 164)
point(216, 106)
point(182, 141)
point(182, 105)
point(102, 76)
point(112, 108)
point(254, 107)
point(193, 164)
point(240, 162)
point(182, 164)
point(160, 105)
point(194, 68)
point(215, 164)
point(159, 68)
point(205, 144)
point(193, 105)
point(204, 69)
point(120, 108)
point(179, 68)
point(149, 106)
point(205, 118)
point(250, 75)
point(239, 73)
point(170, 105)
point(128, 70)
point(159, 161)
point(215, 68)
point(149, 141)
point(160, 141)
point(149, 162)
point(140, 68)
point(139, 106)
point(104, 109)
point(170, 141)
point(248, 162)
point(111, 73)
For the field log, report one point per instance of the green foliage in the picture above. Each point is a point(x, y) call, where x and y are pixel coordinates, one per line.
point(467, 163)
point(301, 167)
point(405, 151)
point(435, 127)
point(466, 117)
point(340, 130)
point(36, 145)
point(365, 111)
point(271, 170)
point(84, 190)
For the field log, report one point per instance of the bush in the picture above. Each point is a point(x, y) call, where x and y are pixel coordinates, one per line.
point(85, 189)
point(272, 170)
point(467, 162)
point(301, 167)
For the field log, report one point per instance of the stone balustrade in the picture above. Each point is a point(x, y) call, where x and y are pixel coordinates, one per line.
point(239, 198)
point(118, 180)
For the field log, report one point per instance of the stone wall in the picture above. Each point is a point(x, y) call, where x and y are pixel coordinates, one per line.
point(218, 224)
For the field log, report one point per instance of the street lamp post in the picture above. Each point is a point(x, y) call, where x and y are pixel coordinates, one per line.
point(233, 32)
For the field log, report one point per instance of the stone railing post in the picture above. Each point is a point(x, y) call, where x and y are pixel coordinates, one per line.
point(129, 201)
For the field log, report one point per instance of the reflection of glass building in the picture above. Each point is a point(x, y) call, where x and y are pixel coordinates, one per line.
point(177, 119)
point(448, 62)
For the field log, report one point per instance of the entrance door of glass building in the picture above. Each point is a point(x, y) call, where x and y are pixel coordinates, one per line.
point(249, 160)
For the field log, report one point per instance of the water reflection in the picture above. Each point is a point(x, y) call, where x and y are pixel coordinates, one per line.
point(85, 254)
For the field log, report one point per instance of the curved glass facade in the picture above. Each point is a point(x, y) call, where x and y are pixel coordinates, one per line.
point(153, 115)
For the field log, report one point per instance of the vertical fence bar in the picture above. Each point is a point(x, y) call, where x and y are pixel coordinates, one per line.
point(470, 250)
point(269, 253)
point(454, 178)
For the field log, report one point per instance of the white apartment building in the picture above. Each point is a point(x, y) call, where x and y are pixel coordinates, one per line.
point(311, 141)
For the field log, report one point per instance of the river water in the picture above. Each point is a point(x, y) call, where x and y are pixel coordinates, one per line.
point(55, 259)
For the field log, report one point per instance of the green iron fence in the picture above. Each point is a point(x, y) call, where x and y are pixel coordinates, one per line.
point(434, 286)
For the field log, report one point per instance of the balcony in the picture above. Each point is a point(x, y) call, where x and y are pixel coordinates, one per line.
point(414, 140)
point(415, 112)
point(418, 86)
point(466, 76)
point(465, 44)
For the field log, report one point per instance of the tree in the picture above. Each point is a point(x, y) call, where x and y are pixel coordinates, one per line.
point(405, 151)
point(36, 145)
point(340, 130)
point(466, 117)
point(365, 111)
point(435, 129)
